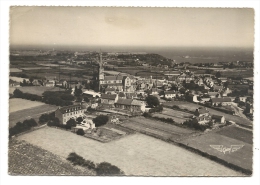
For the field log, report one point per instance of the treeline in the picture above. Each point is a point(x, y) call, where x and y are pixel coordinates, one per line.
point(22, 127)
point(102, 169)
point(49, 97)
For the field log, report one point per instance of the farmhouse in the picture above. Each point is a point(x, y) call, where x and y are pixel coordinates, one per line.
point(130, 105)
point(221, 101)
point(108, 100)
point(219, 119)
point(68, 112)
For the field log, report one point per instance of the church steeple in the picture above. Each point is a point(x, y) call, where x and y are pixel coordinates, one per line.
point(100, 70)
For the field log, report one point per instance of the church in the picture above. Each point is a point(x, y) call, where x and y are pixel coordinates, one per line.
point(118, 82)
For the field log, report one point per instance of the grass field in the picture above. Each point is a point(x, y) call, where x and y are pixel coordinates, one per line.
point(193, 107)
point(38, 90)
point(177, 116)
point(18, 79)
point(16, 104)
point(135, 154)
point(15, 70)
point(35, 68)
point(237, 133)
point(26, 109)
point(241, 157)
point(157, 128)
point(27, 159)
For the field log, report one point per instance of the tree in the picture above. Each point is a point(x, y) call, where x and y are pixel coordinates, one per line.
point(152, 101)
point(86, 99)
point(100, 120)
point(79, 120)
point(31, 80)
point(44, 118)
point(80, 132)
point(106, 168)
point(218, 74)
point(17, 93)
point(71, 123)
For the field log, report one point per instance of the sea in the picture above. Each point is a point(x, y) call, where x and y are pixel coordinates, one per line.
point(178, 54)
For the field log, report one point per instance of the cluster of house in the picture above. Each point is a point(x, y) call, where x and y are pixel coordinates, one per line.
point(121, 102)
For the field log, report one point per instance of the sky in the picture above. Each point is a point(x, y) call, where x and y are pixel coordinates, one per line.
point(193, 27)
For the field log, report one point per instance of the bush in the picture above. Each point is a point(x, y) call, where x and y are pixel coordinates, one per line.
point(108, 169)
point(80, 132)
point(100, 120)
point(79, 120)
point(78, 160)
point(71, 123)
point(152, 101)
point(146, 115)
point(44, 118)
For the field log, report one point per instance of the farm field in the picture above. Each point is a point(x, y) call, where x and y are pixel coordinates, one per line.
point(157, 128)
point(15, 70)
point(136, 154)
point(237, 133)
point(27, 113)
point(17, 79)
point(35, 68)
point(177, 116)
point(16, 104)
point(242, 157)
point(27, 159)
point(38, 90)
point(193, 107)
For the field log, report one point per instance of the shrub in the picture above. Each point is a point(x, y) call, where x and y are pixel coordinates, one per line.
point(100, 120)
point(44, 118)
point(108, 169)
point(80, 132)
point(79, 120)
point(146, 115)
point(71, 123)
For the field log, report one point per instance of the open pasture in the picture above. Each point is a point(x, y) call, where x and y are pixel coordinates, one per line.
point(28, 113)
point(136, 154)
point(241, 157)
point(237, 133)
point(27, 159)
point(18, 79)
point(15, 70)
point(177, 116)
point(157, 128)
point(35, 68)
point(17, 104)
point(38, 90)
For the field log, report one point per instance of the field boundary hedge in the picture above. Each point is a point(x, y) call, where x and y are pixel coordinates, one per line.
point(31, 130)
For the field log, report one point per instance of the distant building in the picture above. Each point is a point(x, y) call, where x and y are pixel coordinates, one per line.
point(68, 112)
point(108, 100)
point(130, 105)
point(169, 94)
point(222, 101)
point(218, 119)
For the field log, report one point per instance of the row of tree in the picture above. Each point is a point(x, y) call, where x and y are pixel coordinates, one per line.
point(102, 169)
point(22, 127)
point(50, 97)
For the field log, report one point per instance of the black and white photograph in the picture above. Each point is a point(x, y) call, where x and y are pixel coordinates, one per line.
point(131, 91)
